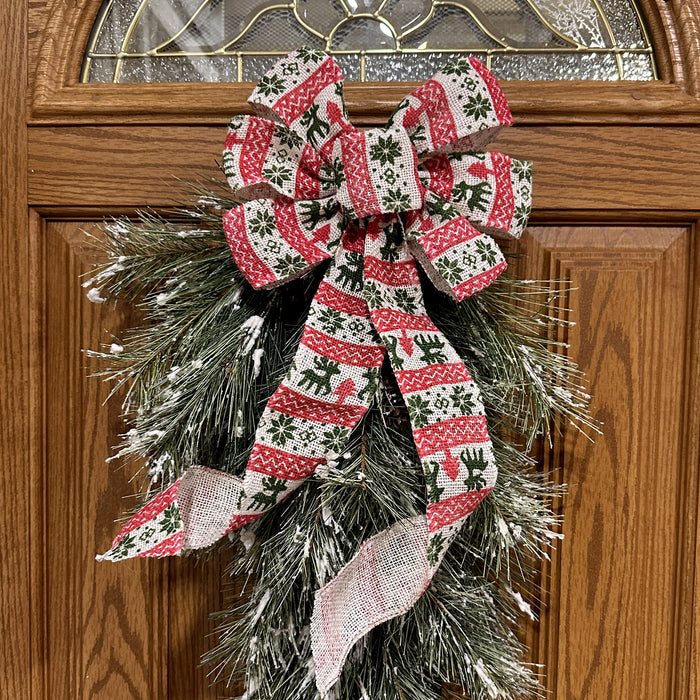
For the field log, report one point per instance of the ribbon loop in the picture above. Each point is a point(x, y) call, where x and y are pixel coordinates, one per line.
point(276, 240)
point(461, 108)
point(304, 90)
point(458, 258)
point(492, 190)
point(263, 159)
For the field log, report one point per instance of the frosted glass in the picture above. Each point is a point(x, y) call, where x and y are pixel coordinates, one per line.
point(576, 19)
point(363, 33)
point(447, 23)
point(254, 67)
point(625, 23)
point(637, 66)
point(388, 67)
point(180, 69)
point(594, 66)
point(237, 40)
point(351, 66)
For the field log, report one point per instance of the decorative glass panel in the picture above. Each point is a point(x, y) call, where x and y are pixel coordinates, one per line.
point(236, 40)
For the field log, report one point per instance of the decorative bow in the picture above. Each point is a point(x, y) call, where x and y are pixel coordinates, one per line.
point(374, 204)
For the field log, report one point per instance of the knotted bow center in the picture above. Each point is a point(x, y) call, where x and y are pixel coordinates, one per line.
point(377, 173)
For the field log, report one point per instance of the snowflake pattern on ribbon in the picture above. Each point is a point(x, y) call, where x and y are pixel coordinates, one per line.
point(374, 205)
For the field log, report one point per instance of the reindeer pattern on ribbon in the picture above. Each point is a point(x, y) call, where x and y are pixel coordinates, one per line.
point(373, 205)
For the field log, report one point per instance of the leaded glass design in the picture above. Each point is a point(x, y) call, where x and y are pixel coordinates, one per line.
point(372, 40)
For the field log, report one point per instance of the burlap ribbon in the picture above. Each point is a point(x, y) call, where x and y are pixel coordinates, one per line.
point(374, 204)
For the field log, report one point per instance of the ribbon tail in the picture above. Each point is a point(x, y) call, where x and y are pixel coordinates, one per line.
point(440, 116)
point(449, 428)
point(306, 422)
point(192, 513)
point(326, 392)
point(384, 579)
point(155, 531)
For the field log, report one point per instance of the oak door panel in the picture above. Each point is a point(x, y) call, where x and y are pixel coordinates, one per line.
point(618, 604)
point(132, 630)
point(575, 168)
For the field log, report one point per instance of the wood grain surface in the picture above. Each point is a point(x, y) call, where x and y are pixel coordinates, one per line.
point(621, 612)
point(531, 102)
point(673, 28)
point(132, 631)
point(686, 20)
point(18, 444)
point(616, 209)
point(621, 595)
point(620, 617)
point(578, 168)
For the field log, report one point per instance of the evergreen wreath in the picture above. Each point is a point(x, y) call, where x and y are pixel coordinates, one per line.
point(199, 373)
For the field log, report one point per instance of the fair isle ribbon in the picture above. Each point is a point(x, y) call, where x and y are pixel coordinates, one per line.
point(375, 204)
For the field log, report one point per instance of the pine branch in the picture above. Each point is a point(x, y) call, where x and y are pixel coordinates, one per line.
point(197, 373)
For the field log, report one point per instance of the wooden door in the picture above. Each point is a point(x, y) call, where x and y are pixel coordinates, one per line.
point(616, 212)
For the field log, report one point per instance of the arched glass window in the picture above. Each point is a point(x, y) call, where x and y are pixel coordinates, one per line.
point(372, 40)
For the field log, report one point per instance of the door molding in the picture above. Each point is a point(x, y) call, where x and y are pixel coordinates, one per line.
point(576, 167)
point(58, 98)
point(17, 391)
point(162, 585)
